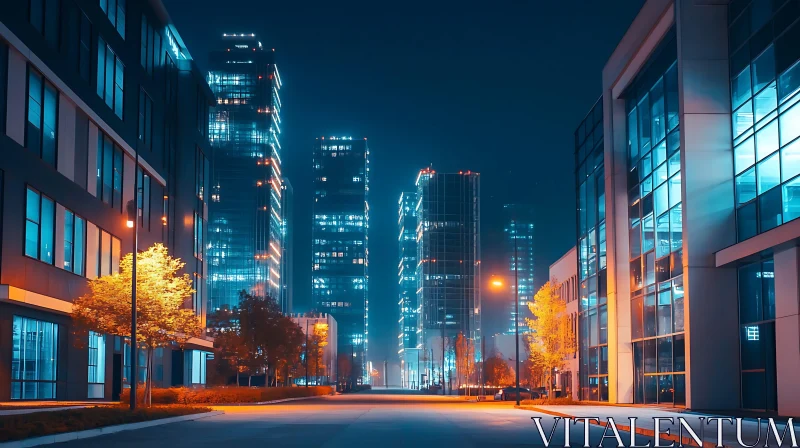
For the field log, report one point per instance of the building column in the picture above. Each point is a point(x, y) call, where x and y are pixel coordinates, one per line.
point(787, 329)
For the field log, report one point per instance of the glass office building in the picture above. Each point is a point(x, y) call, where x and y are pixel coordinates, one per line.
point(246, 216)
point(340, 255)
point(519, 252)
point(699, 172)
point(448, 265)
point(408, 337)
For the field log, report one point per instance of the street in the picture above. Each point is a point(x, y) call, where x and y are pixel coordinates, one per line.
point(377, 419)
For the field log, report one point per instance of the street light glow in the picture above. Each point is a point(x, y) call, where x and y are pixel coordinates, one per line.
point(129, 224)
point(497, 283)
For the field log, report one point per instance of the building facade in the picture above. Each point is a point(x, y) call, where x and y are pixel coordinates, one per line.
point(246, 215)
point(409, 343)
point(448, 266)
point(320, 370)
point(565, 272)
point(699, 131)
point(518, 230)
point(287, 259)
point(340, 241)
point(85, 88)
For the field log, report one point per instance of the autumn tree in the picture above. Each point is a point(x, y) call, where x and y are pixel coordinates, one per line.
point(161, 293)
point(318, 340)
point(464, 357)
point(552, 337)
point(497, 371)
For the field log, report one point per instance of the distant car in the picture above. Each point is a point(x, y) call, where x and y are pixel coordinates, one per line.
point(510, 394)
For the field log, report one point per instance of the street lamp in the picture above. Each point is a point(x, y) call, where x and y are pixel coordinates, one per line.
point(133, 218)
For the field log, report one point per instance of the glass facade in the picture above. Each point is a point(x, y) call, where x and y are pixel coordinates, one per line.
point(592, 262)
point(408, 340)
point(34, 360)
point(765, 80)
point(339, 235)
point(245, 209)
point(97, 365)
point(518, 230)
point(655, 226)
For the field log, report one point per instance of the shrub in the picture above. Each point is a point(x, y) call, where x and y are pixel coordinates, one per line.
point(551, 401)
point(228, 395)
point(37, 424)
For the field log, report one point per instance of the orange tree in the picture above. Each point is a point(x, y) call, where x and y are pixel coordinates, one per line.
point(551, 338)
point(160, 294)
point(497, 371)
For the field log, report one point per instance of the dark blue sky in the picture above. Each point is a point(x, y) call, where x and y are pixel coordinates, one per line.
point(494, 87)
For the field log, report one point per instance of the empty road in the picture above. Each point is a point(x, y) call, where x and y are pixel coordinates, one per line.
point(375, 420)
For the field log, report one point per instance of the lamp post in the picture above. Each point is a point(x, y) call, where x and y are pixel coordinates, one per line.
point(133, 223)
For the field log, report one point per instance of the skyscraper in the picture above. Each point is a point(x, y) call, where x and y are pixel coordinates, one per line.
point(246, 215)
point(448, 264)
point(408, 338)
point(518, 231)
point(339, 241)
point(287, 270)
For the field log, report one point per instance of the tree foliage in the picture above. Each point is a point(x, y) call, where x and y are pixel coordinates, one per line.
point(464, 358)
point(161, 293)
point(498, 372)
point(552, 338)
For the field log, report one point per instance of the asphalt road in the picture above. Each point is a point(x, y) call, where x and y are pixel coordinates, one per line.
point(376, 420)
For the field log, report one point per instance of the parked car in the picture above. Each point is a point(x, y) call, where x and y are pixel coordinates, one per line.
point(510, 394)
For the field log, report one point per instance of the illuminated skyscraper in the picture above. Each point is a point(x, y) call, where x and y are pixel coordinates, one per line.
point(246, 214)
point(408, 340)
point(287, 272)
point(519, 228)
point(339, 241)
point(448, 269)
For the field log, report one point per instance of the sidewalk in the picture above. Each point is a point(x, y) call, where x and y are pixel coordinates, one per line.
point(29, 407)
point(707, 431)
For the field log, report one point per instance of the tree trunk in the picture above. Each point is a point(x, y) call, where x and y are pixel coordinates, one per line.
point(148, 377)
point(249, 380)
point(237, 376)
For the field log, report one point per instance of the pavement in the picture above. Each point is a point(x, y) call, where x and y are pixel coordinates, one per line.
point(379, 419)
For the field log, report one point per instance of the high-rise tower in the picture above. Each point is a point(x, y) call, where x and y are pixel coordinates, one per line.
point(409, 342)
point(518, 229)
point(246, 213)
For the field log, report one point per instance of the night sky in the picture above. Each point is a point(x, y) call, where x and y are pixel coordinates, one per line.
point(495, 87)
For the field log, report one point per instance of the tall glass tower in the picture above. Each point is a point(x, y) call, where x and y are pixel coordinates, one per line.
point(448, 265)
point(408, 340)
point(245, 214)
point(339, 242)
point(518, 231)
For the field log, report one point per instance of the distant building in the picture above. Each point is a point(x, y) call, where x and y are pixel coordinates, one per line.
point(287, 259)
point(324, 371)
point(408, 339)
point(339, 240)
point(82, 93)
point(565, 271)
point(246, 217)
point(448, 266)
point(519, 251)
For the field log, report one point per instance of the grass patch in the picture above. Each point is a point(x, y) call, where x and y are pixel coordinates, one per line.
point(37, 424)
point(228, 395)
point(551, 401)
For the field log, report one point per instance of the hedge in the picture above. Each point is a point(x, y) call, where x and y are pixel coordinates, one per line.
point(37, 424)
point(228, 395)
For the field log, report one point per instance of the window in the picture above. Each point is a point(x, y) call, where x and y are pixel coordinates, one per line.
point(198, 236)
point(40, 215)
point(97, 365)
point(74, 243)
point(34, 360)
point(150, 52)
point(202, 173)
point(108, 251)
point(44, 16)
point(109, 171)
point(202, 112)
point(41, 130)
point(145, 118)
point(84, 52)
point(110, 77)
point(143, 198)
point(115, 11)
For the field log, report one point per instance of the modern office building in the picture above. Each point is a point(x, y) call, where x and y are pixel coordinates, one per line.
point(322, 370)
point(518, 230)
point(339, 231)
point(409, 343)
point(246, 218)
point(448, 266)
point(699, 145)
point(84, 87)
point(565, 272)
point(287, 259)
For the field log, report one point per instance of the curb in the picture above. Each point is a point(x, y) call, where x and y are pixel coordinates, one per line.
point(687, 441)
point(261, 403)
point(89, 433)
